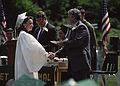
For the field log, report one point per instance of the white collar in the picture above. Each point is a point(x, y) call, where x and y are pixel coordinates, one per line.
point(46, 23)
point(44, 28)
point(75, 25)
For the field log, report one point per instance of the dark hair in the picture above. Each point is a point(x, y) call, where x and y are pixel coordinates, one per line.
point(22, 25)
point(75, 12)
point(41, 14)
point(82, 11)
point(63, 28)
point(26, 19)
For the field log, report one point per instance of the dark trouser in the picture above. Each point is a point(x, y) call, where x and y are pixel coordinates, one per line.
point(93, 63)
point(93, 59)
point(80, 75)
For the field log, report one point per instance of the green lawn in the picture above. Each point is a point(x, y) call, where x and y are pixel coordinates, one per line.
point(112, 81)
point(119, 63)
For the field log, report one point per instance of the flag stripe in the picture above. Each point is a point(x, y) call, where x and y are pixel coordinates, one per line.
point(107, 30)
point(3, 22)
point(105, 25)
point(104, 22)
point(2, 14)
point(105, 17)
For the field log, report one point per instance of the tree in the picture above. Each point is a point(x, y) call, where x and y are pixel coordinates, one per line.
point(27, 5)
point(56, 10)
point(10, 12)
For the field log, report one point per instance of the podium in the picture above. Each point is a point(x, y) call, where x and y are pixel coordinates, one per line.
point(48, 74)
point(6, 73)
point(11, 46)
point(61, 65)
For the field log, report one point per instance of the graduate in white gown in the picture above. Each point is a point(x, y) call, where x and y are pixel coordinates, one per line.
point(30, 55)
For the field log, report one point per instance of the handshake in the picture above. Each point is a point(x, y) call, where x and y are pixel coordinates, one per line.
point(51, 55)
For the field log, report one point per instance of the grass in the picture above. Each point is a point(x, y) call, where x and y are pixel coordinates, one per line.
point(112, 81)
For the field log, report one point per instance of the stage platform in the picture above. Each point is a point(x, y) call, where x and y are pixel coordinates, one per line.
point(51, 72)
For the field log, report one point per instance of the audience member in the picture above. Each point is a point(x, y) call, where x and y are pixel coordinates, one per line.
point(9, 34)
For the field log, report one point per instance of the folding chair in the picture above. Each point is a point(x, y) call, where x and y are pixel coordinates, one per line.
point(110, 67)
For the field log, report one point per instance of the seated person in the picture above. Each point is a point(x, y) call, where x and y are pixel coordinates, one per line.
point(9, 34)
point(62, 35)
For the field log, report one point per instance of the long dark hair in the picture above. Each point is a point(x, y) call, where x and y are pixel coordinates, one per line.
point(22, 28)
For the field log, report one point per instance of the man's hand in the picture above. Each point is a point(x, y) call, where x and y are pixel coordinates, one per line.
point(61, 43)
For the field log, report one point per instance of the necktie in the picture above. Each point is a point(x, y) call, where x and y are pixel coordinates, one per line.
point(39, 33)
point(69, 33)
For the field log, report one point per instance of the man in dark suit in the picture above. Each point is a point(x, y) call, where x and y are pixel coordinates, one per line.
point(45, 32)
point(93, 39)
point(77, 47)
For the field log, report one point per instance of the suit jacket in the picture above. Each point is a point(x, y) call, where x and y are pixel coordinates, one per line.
point(75, 47)
point(92, 44)
point(47, 35)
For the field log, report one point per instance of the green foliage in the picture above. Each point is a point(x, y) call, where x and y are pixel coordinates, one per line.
point(115, 23)
point(27, 5)
point(114, 32)
point(113, 9)
point(56, 10)
point(92, 8)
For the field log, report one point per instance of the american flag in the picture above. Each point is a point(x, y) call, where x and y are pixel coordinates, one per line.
point(2, 14)
point(105, 22)
point(3, 22)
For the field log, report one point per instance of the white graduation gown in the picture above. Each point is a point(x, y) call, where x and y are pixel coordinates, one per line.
point(30, 55)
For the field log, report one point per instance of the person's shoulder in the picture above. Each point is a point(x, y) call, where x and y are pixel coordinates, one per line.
point(82, 26)
point(88, 24)
point(23, 33)
point(36, 28)
point(49, 25)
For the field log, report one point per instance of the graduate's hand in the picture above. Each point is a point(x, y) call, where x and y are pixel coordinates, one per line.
point(51, 55)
